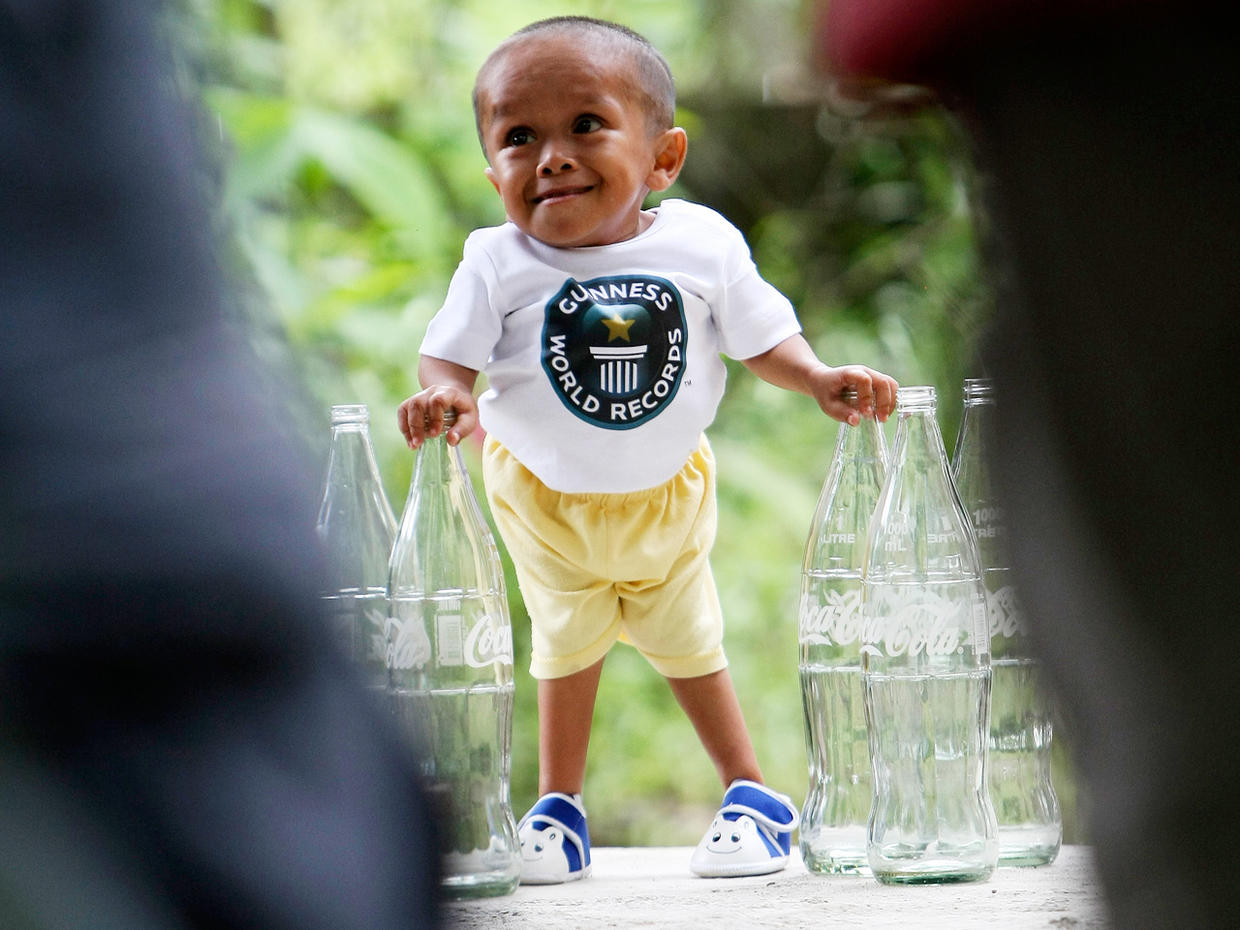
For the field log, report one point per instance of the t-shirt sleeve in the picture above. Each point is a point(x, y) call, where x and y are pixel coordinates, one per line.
point(467, 326)
point(752, 316)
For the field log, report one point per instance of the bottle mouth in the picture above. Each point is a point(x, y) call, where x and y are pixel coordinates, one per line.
point(916, 397)
point(449, 417)
point(350, 414)
point(979, 390)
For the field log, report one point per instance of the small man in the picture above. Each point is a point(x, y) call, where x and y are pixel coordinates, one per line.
point(599, 325)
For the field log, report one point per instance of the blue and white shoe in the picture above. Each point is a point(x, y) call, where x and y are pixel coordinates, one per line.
point(751, 834)
point(555, 842)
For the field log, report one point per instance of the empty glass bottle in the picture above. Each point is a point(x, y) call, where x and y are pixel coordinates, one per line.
point(926, 667)
point(837, 805)
point(356, 528)
point(449, 660)
point(1021, 789)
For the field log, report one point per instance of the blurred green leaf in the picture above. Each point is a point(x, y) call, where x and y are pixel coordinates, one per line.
point(383, 175)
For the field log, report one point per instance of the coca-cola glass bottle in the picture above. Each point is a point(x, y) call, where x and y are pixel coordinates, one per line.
point(449, 660)
point(1030, 825)
point(837, 805)
point(356, 529)
point(926, 667)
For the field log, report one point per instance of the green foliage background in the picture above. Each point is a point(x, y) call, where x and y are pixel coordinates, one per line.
point(350, 174)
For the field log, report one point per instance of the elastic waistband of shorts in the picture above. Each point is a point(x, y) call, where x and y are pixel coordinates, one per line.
point(701, 462)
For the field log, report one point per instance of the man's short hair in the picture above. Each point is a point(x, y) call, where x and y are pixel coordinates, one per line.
point(653, 85)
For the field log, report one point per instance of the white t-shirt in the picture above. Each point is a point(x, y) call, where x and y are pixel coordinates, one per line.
point(603, 363)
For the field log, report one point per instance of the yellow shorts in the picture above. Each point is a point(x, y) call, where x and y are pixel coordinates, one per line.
point(597, 568)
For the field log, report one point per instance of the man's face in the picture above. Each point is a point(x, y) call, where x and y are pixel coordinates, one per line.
point(570, 149)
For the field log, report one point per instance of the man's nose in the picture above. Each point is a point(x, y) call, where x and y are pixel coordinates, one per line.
point(556, 159)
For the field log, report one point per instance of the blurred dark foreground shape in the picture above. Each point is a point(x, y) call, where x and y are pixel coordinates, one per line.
point(1106, 136)
point(180, 744)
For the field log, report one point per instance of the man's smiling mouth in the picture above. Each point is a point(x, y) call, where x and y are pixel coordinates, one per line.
point(562, 193)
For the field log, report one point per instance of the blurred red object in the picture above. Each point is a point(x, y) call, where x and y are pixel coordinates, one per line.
point(870, 43)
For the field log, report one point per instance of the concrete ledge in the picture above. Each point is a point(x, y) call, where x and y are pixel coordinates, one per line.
point(652, 887)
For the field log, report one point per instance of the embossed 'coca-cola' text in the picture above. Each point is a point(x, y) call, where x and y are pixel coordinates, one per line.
point(408, 645)
point(1005, 615)
point(834, 623)
point(929, 625)
point(489, 640)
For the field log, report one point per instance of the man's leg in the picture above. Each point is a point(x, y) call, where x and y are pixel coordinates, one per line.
point(710, 703)
point(565, 714)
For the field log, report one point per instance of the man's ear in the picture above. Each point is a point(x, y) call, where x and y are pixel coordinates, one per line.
point(669, 158)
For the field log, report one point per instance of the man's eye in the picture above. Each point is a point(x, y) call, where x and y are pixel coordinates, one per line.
point(587, 123)
point(519, 136)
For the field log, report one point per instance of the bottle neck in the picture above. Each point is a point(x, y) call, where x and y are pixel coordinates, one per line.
point(353, 473)
point(435, 462)
point(443, 543)
point(355, 521)
point(864, 441)
point(975, 422)
point(917, 429)
point(351, 450)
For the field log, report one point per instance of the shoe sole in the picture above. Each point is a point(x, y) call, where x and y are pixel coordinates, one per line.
point(549, 880)
point(741, 869)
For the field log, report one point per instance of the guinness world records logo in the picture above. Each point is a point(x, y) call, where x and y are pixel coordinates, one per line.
point(613, 348)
